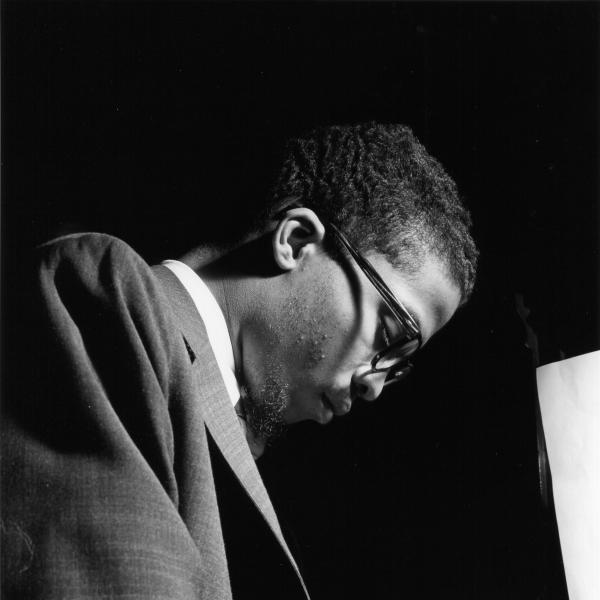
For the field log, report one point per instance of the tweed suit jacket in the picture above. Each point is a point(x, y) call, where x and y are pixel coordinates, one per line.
point(122, 454)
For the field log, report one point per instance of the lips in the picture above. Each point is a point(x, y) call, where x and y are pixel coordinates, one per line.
point(337, 407)
point(327, 403)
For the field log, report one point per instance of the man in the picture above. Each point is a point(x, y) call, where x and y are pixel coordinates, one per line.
point(128, 468)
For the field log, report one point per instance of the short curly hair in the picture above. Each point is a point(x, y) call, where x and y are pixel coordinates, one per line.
point(378, 184)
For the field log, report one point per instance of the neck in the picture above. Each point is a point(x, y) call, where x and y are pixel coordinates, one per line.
point(231, 292)
point(236, 277)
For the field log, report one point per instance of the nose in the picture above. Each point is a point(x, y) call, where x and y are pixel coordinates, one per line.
point(366, 384)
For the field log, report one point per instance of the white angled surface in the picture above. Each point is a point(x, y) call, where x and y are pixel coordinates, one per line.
point(569, 393)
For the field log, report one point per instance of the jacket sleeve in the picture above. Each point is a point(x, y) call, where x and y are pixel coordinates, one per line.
point(90, 499)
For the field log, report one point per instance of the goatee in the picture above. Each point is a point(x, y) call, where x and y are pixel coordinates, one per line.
point(264, 413)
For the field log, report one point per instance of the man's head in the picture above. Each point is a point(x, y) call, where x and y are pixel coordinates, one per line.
point(379, 185)
point(307, 346)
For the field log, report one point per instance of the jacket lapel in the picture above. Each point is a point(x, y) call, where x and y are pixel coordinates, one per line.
point(219, 414)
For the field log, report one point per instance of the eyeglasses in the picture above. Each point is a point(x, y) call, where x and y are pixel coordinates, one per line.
point(394, 357)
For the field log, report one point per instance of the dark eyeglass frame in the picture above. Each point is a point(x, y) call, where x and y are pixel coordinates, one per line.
point(398, 310)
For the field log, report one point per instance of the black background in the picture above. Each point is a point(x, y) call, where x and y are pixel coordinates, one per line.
point(159, 122)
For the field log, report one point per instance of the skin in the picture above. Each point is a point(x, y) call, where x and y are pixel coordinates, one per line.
point(304, 336)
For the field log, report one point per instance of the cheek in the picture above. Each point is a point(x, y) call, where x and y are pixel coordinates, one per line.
point(325, 347)
point(335, 352)
point(312, 349)
point(310, 327)
point(323, 334)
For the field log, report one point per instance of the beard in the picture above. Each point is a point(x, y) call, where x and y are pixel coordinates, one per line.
point(264, 411)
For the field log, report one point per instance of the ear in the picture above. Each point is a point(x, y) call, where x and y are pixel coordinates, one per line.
point(298, 233)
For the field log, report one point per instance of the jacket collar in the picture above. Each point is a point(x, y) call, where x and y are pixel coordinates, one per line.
point(220, 416)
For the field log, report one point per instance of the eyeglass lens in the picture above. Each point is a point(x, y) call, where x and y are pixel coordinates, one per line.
point(396, 353)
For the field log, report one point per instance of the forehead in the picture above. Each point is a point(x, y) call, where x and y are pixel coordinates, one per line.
point(429, 294)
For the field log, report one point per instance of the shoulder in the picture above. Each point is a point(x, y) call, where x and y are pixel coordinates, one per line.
point(96, 265)
point(93, 257)
point(86, 248)
point(100, 284)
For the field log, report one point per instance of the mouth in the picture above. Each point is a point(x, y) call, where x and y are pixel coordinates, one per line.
point(338, 409)
point(329, 410)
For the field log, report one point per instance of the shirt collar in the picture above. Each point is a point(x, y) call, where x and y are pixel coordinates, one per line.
point(214, 322)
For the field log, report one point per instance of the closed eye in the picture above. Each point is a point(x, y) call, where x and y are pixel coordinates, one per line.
point(385, 334)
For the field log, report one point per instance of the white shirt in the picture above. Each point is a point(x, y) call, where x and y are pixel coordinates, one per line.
point(214, 321)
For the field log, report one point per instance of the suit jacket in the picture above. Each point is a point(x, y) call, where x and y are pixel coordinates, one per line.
point(125, 471)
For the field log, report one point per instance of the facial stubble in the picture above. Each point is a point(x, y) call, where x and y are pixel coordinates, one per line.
point(303, 324)
point(264, 410)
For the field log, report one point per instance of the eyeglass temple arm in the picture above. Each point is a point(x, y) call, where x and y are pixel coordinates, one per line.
point(385, 292)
